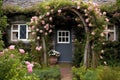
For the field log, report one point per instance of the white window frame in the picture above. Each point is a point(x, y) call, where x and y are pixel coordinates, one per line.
point(58, 37)
point(111, 31)
point(18, 31)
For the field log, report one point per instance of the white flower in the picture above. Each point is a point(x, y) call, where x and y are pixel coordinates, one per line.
point(54, 53)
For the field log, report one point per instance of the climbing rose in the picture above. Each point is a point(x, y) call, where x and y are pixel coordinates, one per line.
point(38, 38)
point(59, 11)
point(107, 19)
point(48, 13)
point(37, 29)
point(33, 27)
point(38, 48)
point(43, 22)
point(87, 20)
point(41, 31)
point(50, 30)
point(22, 51)
point(50, 18)
point(12, 47)
point(33, 33)
point(46, 33)
point(104, 13)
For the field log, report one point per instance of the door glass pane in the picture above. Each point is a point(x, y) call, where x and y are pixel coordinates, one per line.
point(63, 39)
point(67, 39)
point(63, 36)
point(22, 31)
point(60, 40)
point(63, 33)
point(66, 33)
point(60, 34)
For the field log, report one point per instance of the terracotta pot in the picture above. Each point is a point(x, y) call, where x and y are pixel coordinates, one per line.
point(52, 60)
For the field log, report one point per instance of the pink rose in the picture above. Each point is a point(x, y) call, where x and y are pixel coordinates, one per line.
point(46, 33)
point(38, 48)
point(27, 63)
point(38, 38)
point(12, 47)
point(41, 31)
point(59, 11)
point(50, 18)
point(50, 30)
point(43, 22)
point(29, 67)
point(22, 51)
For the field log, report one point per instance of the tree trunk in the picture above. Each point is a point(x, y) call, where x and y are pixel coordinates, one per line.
point(44, 50)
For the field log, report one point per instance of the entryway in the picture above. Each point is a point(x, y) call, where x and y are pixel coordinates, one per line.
point(64, 45)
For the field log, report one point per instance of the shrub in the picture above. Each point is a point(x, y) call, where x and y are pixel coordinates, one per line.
point(100, 73)
point(12, 66)
point(50, 73)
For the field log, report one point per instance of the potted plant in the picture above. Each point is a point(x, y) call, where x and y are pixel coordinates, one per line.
point(53, 57)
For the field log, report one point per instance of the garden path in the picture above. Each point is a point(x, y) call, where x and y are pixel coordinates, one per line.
point(66, 72)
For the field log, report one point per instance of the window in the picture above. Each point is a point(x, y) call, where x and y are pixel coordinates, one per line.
point(20, 32)
point(63, 36)
point(111, 33)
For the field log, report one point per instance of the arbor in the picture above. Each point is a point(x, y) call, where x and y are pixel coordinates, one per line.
point(89, 16)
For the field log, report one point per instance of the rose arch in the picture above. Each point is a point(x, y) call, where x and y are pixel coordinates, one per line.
point(82, 14)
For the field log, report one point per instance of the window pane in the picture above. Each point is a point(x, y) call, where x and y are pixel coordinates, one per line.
point(111, 36)
point(15, 35)
point(22, 31)
point(15, 27)
point(111, 27)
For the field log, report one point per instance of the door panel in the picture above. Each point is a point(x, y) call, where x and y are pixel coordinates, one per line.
point(64, 45)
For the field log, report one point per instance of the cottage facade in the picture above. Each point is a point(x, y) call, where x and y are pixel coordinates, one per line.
point(18, 29)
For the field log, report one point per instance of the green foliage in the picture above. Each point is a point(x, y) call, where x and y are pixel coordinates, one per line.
point(22, 45)
point(78, 53)
point(108, 7)
point(55, 4)
point(51, 73)
point(100, 73)
point(12, 66)
point(35, 55)
point(111, 53)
